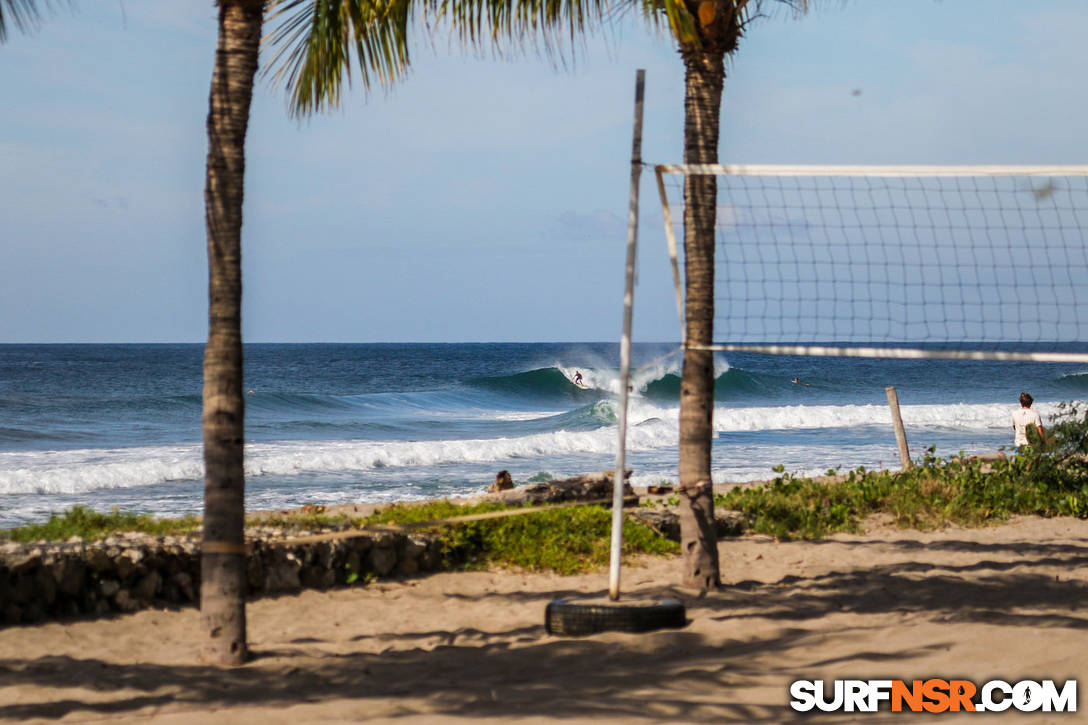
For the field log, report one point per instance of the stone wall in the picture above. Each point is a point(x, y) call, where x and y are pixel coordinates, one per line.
point(126, 572)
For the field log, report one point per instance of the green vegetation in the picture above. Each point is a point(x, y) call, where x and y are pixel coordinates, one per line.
point(89, 525)
point(563, 540)
point(1050, 481)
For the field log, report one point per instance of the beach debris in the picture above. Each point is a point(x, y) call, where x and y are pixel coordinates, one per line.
point(586, 487)
point(667, 522)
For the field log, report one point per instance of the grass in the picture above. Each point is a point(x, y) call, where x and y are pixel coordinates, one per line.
point(91, 525)
point(564, 540)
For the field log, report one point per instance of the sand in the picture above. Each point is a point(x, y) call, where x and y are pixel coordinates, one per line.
point(1007, 602)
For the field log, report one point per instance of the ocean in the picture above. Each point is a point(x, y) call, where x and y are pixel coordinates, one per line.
point(119, 425)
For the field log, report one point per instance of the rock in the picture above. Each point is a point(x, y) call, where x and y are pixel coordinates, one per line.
point(255, 569)
point(125, 601)
point(381, 560)
point(21, 562)
point(407, 567)
point(503, 482)
point(128, 563)
point(12, 613)
point(22, 589)
point(184, 584)
point(414, 547)
point(98, 560)
point(108, 587)
point(384, 540)
point(431, 559)
point(319, 574)
point(664, 522)
point(148, 586)
point(45, 587)
point(730, 523)
point(353, 566)
point(282, 574)
point(33, 612)
point(70, 574)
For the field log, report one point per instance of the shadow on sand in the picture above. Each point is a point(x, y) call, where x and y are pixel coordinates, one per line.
point(671, 675)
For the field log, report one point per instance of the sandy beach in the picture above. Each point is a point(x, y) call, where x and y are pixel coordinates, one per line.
point(1004, 602)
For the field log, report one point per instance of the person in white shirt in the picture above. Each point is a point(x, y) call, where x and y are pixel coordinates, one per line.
point(1024, 417)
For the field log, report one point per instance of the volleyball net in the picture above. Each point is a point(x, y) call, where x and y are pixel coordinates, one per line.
point(960, 262)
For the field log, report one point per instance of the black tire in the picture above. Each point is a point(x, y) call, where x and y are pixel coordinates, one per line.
point(579, 618)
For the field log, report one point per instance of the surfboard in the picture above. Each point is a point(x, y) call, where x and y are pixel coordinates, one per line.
point(583, 386)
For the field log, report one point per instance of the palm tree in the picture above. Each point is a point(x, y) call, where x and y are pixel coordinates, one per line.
point(223, 559)
point(706, 32)
point(222, 591)
point(314, 53)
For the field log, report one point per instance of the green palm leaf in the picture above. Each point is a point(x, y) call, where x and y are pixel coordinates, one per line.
point(25, 15)
point(314, 40)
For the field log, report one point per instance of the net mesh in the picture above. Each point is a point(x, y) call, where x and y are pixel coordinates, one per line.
point(936, 259)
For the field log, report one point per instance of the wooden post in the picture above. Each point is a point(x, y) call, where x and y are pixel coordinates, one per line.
point(619, 477)
point(897, 422)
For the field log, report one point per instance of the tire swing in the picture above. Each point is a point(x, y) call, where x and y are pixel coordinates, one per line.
point(580, 617)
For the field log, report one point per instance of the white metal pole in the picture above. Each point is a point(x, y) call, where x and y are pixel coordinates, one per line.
point(620, 475)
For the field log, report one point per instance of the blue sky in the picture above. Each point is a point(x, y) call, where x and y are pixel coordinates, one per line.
point(480, 199)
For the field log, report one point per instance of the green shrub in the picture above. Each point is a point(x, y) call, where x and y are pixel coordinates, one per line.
point(1050, 480)
point(563, 540)
point(89, 524)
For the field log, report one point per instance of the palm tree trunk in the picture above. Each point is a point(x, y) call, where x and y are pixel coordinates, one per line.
point(705, 75)
point(223, 560)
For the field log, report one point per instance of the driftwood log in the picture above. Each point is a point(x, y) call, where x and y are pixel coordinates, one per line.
point(667, 522)
point(587, 487)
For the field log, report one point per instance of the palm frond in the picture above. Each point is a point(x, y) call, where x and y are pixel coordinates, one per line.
point(24, 15)
point(312, 43)
point(551, 23)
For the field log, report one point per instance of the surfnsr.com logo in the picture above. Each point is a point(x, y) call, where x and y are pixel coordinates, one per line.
point(933, 695)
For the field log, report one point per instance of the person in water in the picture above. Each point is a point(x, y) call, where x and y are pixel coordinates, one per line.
point(578, 377)
point(1023, 418)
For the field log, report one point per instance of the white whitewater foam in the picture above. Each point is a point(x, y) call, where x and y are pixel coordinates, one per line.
point(652, 428)
point(80, 471)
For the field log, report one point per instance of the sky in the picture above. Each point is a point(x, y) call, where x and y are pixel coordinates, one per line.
point(480, 199)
